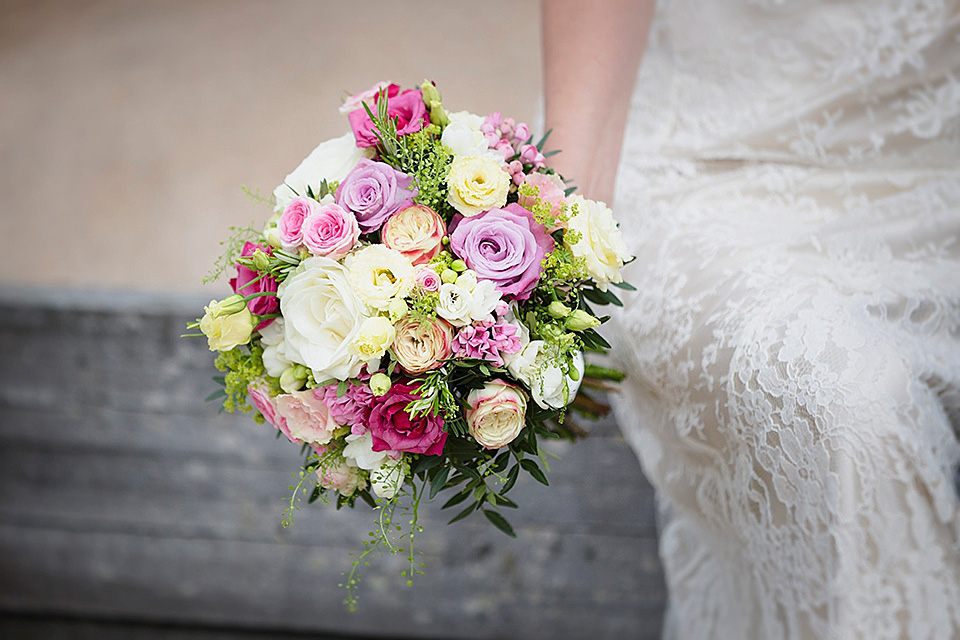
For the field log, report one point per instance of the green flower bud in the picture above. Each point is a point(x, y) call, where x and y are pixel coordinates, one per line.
point(572, 370)
point(431, 98)
point(261, 261)
point(552, 332)
point(272, 235)
point(580, 320)
point(558, 310)
point(289, 382)
point(380, 383)
point(229, 306)
point(458, 266)
point(300, 372)
point(449, 276)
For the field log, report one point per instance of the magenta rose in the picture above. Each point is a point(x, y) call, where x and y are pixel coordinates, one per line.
point(290, 224)
point(246, 283)
point(393, 429)
point(373, 191)
point(330, 231)
point(406, 109)
point(505, 246)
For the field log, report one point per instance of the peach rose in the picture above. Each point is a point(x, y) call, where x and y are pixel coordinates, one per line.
point(421, 345)
point(416, 231)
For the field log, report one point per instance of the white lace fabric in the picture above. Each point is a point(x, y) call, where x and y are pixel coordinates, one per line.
point(790, 185)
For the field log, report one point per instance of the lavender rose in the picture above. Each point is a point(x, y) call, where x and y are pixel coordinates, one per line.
point(373, 191)
point(504, 246)
point(394, 429)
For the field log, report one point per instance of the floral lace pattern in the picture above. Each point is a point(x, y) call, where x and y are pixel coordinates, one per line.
point(791, 186)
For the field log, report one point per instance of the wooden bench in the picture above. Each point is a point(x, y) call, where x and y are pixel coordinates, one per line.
point(130, 509)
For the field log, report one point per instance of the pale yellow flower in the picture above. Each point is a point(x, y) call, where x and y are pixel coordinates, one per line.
point(477, 184)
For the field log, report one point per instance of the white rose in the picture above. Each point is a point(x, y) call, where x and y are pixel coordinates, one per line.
point(360, 451)
point(536, 366)
point(387, 479)
point(495, 414)
point(463, 135)
point(321, 317)
point(380, 274)
point(275, 359)
point(522, 332)
point(331, 161)
point(600, 242)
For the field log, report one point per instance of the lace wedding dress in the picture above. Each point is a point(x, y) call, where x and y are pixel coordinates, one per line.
point(790, 185)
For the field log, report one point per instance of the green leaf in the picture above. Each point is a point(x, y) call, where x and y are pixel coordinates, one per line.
point(531, 467)
point(221, 380)
point(425, 464)
point(470, 472)
point(499, 522)
point(502, 500)
point(314, 495)
point(543, 140)
point(438, 481)
point(457, 499)
point(501, 462)
point(366, 497)
point(219, 393)
point(342, 387)
point(463, 514)
point(626, 286)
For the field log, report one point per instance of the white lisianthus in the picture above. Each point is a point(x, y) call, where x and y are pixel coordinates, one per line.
point(387, 479)
point(477, 184)
point(275, 359)
point(374, 337)
point(379, 274)
point(600, 242)
point(322, 316)
point(537, 366)
point(463, 135)
point(467, 300)
point(359, 451)
point(496, 414)
point(331, 161)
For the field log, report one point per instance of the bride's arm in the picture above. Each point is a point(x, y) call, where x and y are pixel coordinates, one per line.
point(591, 53)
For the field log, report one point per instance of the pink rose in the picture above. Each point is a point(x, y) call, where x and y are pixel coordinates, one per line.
point(428, 279)
point(551, 191)
point(496, 414)
point(330, 231)
point(248, 282)
point(291, 222)
point(342, 477)
point(422, 345)
point(394, 429)
point(416, 231)
point(266, 405)
point(407, 109)
point(307, 417)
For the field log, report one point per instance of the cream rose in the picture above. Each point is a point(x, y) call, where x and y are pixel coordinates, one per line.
point(600, 242)
point(495, 414)
point(477, 184)
point(421, 345)
point(416, 231)
point(374, 337)
point(227, 323)
point(308, 418)
point(538, 367)
point(321, 317)
point(331, 161)
point(378, 274)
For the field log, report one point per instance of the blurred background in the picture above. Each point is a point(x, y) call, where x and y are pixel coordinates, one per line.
point(128, 507)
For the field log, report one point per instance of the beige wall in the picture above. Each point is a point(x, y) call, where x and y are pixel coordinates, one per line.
point(127, 128)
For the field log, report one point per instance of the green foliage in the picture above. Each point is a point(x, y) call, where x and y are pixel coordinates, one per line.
point(232, 247)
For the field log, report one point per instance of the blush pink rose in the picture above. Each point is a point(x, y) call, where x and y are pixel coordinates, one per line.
point(406, 109)
point(428, 279)
point(416, 231)
point(551, 191)
point(308, 418)
point(248, 281)
point(496, 413)
point(342, 477)
point(330, 231)
point(266, 405)
point(394, 429)
point(422, 345)
point(291, 221)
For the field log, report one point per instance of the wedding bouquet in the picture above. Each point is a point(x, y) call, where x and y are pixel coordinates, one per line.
point(415, 313)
